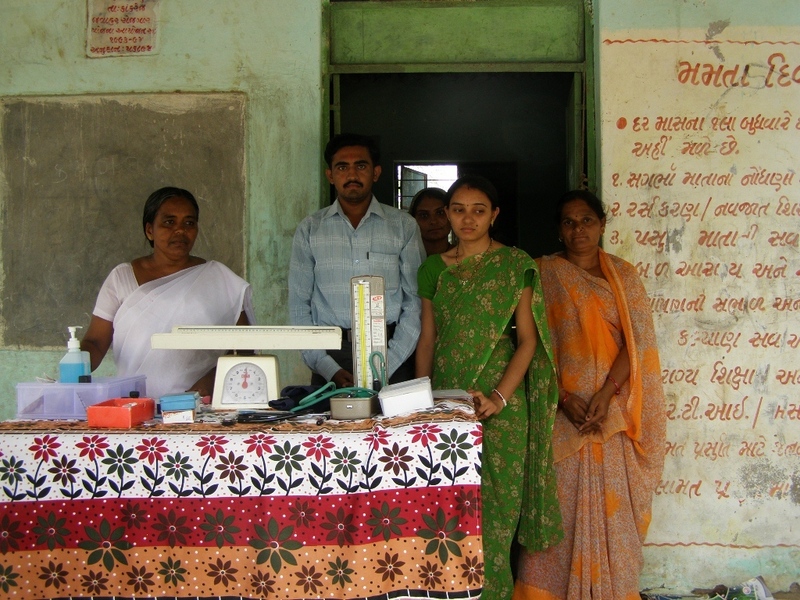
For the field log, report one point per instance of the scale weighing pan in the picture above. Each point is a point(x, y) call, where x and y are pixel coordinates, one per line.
point(247, 382)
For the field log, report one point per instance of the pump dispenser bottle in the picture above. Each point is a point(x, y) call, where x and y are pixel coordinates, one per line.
point(76, 362)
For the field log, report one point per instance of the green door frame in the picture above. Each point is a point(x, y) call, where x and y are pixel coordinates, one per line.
point(479, 36)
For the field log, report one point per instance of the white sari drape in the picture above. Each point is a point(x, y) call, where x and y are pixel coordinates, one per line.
point(208, 294)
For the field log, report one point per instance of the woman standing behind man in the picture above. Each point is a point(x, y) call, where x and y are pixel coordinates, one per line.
point(471, 295)
point(609, 433)
point(427, 207)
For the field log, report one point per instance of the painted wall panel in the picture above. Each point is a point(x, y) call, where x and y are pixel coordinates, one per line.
point(481, 32)
point(700, 136)
point(78, 170)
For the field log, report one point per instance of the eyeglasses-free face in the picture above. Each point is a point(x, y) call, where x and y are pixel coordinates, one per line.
point(353, 174)
point(471, 214)
point(580, 228)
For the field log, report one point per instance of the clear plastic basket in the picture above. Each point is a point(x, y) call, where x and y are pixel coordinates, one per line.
point(52, 401)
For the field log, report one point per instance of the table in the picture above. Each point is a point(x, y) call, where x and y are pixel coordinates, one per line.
point(377, 508)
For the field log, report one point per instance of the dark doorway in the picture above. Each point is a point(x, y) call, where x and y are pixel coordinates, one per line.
point(510, 127)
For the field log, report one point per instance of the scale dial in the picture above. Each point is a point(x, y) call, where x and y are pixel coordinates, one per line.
point(245, 382)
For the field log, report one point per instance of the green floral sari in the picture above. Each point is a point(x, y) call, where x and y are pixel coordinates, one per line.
point(474, 305)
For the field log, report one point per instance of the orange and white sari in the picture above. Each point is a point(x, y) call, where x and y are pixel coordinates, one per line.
point(605, 480)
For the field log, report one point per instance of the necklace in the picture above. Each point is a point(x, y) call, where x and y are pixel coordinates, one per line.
point(478, 260)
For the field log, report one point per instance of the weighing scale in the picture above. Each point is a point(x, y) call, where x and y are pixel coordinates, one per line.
point(368, 330)
point(245, 382)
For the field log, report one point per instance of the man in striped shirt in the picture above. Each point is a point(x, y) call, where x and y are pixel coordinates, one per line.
point(356, 235)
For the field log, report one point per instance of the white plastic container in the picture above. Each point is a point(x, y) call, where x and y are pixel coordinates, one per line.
point(406, 397)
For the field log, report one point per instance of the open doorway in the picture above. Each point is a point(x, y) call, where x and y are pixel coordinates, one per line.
point(411, 178)
point(512, 128)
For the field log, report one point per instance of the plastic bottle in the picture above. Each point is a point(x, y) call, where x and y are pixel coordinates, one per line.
point(76, 362)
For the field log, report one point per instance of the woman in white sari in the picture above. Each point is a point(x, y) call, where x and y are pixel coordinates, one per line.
point(169, 287)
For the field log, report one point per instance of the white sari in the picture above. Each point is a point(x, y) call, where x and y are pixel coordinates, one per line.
point(207, 294)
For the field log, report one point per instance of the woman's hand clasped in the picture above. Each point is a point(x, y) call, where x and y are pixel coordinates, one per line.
point(595, 413)
point(575, 408)
point(587, 417)
point(485, 406)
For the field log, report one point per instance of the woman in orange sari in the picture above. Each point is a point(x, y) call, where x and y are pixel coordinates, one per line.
point(609, 433)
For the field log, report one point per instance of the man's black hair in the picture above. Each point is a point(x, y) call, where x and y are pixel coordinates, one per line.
point(353, 139)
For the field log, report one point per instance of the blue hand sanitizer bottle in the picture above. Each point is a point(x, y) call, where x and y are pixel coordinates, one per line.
point(76, 362)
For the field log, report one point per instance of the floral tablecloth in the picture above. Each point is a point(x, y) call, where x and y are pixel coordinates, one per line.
point(305, 511)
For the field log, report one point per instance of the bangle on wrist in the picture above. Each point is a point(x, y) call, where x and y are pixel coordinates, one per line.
point(616, 385)
point(563, 399)
point(499, 395)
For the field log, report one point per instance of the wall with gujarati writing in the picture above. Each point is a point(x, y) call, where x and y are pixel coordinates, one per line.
point(700, 139)
point(270, 52)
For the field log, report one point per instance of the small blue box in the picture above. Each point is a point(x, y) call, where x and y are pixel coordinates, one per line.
point(183, 401)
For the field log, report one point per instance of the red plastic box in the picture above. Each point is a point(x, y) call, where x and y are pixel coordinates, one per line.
point(121, 413)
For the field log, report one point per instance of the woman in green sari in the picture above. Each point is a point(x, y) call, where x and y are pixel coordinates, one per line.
point(471, 295)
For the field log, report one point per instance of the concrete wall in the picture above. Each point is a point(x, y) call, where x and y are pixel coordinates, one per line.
point(270, 51)
point(700, 134)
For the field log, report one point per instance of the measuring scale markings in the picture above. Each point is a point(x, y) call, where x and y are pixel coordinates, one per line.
point(248, 337)
point(363, 335)
point(245, 382)
point(368, 326)
point(251, 329)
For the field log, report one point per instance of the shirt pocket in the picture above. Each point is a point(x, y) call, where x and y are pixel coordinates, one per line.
point(388, 266)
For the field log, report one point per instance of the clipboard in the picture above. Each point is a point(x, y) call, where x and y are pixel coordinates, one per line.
point(368, 312)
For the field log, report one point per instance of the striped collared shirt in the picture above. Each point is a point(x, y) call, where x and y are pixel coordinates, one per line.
point(327, 251)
